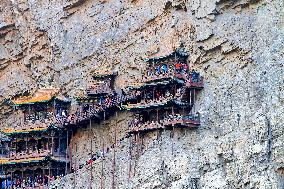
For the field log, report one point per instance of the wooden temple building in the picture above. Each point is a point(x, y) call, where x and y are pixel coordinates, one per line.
point(37, 149)
point(34, 148)
point(167, 95)
point(99, 100)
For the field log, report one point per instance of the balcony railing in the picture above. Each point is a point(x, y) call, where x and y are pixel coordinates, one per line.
point(33, 126)
point(98, 90)
point(29, 156)
point(189, 121)
point(195, 82)
point(148, 103)
point(25, 155)
point(96, 109)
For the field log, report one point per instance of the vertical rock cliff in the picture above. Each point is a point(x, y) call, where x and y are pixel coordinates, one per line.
point(237, 45)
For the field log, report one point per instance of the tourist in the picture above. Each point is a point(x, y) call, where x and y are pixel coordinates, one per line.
point(194, 76)
point(164, 68)
point(185, 68)
point(158, 70)
point(64, 113)
point(178, 67)
point(45, 180)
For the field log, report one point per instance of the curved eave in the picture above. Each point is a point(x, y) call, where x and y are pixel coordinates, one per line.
point(31, 160)
point(180, 103)
point(152, 59)
point(178, 123)
point(42, 99)
point(164, 81)
point(105, 74)
point(139, 107)
point(11, 132)
point(98, 94)
point(30, 102)
point(167, 103)
point(157, 82)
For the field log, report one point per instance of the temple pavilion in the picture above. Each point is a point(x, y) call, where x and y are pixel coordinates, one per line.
point(34, 147)
point(37, 149)
point(167, 93)
point(100, 99)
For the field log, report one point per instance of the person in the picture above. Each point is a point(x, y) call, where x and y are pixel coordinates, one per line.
point(24, 183)
point(197, 117)
point(45, 180)
point(158, 70)
point(149, 73)
point(178, 67)
point(194, 76)
point(64, 113)
point(123, 93)
point(101, 100)
point(6, 183)
point(168, 94)
point(58, 114)
point(184, 68)
point(164, 68)
point(18, 182)
point(51, 178)
point(30, 181)
point(158, 94)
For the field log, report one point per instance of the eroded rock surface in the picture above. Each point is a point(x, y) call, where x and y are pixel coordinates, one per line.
point(236, 45)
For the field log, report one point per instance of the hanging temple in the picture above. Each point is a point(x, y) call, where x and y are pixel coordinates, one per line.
point(35, 149)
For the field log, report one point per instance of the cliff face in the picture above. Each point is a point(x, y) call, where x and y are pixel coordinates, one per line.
point(236, 45)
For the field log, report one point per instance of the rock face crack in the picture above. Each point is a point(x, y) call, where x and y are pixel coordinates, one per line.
point(269, 139)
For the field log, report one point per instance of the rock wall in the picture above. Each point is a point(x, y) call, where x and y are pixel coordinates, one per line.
point(237, 45)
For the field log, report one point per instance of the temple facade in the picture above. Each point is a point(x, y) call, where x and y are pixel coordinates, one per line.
point(36, 149)
point(36, 152)
point(166, 95)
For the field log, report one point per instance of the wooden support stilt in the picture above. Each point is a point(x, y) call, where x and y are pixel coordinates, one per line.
point(142, 144)
point(75, 170)
point(173, 133)
point(24, 120)
point(91, 144)
point(23, 177)
point(29, 110)
point(54, 107)
point(11, 179)
point(52, 145)
point(157, 124)
point(130, 158)
point(66, 153)
point(59, 143)
point(15, 149)
point(114, 153)
point(190, 103)
point(49, 175)
point(136, 153)
point(5, 183)
point(102, 172)
point(193, 101)
point(37, 148)
point(33, 178)
point(103, 143)
point(70, 153)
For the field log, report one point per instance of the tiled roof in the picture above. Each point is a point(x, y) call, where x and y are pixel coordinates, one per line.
point(104, 73)
point(42, 95)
